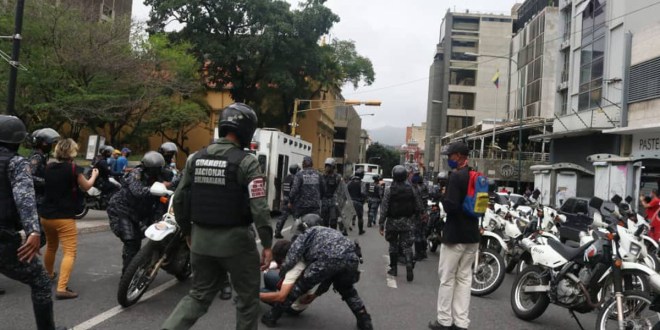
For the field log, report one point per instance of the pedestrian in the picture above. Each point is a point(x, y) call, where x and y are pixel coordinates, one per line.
point(331, 182)
point(356, 190)
point(460, 242)
point(374, 196)
point(400, 204)
point(285, 207)
point(331, 259)
point(122, 161)
point(306, 191)
point(43, 141)
point(20, 232)
point(58, 210)
point(132, 209)
point(652, 204)
point(112, 161)
point(221, 194)
point(420, 219)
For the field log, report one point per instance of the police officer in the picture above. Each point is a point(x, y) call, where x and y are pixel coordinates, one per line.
point(358, 195)
point(169, 151)
point(101, 163)
point(221, 194)
point(331, 182)
point(285, 208)
point(399, 207)
point(42, 143)
point(18, 213)
point(331, 258)
point(374, 195)
point(306, 191)
point(132, 208)
point(421, 220)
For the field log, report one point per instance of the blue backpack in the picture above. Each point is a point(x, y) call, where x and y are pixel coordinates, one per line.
point(476, 200)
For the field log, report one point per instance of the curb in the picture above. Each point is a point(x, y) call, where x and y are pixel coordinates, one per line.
point(94, 229)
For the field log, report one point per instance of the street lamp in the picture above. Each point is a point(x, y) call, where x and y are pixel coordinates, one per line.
point(296, 103)
point(520, 84)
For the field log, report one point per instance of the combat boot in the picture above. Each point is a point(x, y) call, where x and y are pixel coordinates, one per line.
point(409, 268)
point(393, 264)
point(43, 313)
point(270, 318)
point(364, 321)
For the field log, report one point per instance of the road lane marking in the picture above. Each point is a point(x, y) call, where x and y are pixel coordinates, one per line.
point(389, 279)
point(112, 312)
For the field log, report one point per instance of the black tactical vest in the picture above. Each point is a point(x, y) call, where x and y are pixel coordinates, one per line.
point(9, 218)
point(286, 185)
point(355, 190)
point(402, 201)
point(331, 183)
point(373, 191)
point(217, 199)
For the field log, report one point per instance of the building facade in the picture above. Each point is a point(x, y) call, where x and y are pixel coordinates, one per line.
point(417, 134)
point(347, 149)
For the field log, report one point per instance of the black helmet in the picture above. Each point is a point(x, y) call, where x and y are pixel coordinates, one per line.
point(153, 159)
point(376, 178)
point(240, 119)
point(294, 168)
point(45, 135)
point(359, 173)
point(168, 147)
point(307, 162)
point(309, 220)
point(399, 173)
point(106, 151)
point(12, 130)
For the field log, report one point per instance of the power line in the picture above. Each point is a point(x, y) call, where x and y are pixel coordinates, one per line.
point(499, 57)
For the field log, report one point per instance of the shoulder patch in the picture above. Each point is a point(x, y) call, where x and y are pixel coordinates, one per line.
point(256, 188)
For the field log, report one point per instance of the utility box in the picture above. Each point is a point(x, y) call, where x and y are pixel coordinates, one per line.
point(560, 181)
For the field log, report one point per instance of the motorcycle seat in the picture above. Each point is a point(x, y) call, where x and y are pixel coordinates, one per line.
point(566, 251)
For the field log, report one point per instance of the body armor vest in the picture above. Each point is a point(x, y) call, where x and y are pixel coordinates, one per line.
point(217, 199)
point(373, 191)
point(9, 218)
point(286, 185)
point(355, 190)
point(402, 201)
point(331, 183)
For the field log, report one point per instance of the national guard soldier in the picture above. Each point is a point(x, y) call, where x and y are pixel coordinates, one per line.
point(19, 223)
point(285, 208)
point(222, 193)
point(306, 191)
point(400, 205)
point(331, 258)
point(331, 182)
point(358, 195)
point(132, 208)
point(374, 195)
point(421, 220)
point(42, 143)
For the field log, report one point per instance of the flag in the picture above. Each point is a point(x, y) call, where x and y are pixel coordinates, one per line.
point(496, 79)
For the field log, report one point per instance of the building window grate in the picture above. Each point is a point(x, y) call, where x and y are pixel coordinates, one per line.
point(644, 81)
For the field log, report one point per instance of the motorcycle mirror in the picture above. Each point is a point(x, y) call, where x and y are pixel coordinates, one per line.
point(616, 199)
point(159, 189)
point(628, 199)
point(596, 203)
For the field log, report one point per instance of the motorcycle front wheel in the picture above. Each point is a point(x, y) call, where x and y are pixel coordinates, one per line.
point(489, 273)
point(82, 213)
point(636, 312)
point(137, 278)
point(529, 305)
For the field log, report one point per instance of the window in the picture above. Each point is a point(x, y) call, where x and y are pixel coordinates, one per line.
point(463, 101)
point(462, 77)
point(592, 55)
point(568, 205)
point(459, 48)
point(564, 102)
point(107, 10)
point(466, 23)
point(455, 123)
point(581, 206)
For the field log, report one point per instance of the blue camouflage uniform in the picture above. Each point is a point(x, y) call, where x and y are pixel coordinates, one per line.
point(399, 228)
point(306, 192)
point(329, 209)
point(131, 211)
point(284, 207)
point(374, 196)
point(331, 259)
point(421, 220)
point(358, 194)
point(18, 188)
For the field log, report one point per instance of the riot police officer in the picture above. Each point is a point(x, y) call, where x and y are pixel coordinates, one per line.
point(101, 163)
point(400, 205)
point(19, 223)
point(331, 182)
point(42, 143)
point(421, 220)
point(374, 195)
point(221, 194)
point(307, 189)
point(358, 195)
point(132, 208)
point(169, 151)
point(285, 208)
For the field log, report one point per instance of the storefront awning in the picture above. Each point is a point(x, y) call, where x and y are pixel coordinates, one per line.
point(565, 134)
point(630, 130)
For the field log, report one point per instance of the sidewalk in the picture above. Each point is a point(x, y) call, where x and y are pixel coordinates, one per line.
point(93, 222)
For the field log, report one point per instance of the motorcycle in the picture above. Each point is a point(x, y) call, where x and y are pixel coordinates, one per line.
point(95, 199)
point(436, 223)
point(489, 265)
point(575, 278)
point(166, 249)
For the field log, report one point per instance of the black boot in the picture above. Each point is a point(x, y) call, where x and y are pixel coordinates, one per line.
point(270, 318)
point(225, 293)
point(364, 321)
point(43, 313)
point(409, 268)
point(393, 264)
point(420, 251)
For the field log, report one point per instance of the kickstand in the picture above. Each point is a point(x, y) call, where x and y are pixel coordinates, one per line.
point(576, 319)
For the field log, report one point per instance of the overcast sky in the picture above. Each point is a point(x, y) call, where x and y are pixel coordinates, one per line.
point(400, 38)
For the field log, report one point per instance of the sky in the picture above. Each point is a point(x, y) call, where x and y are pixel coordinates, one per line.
point(400, 38)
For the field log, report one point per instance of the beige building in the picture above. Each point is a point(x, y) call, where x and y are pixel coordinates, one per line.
point(347, 143)
point(416, 134)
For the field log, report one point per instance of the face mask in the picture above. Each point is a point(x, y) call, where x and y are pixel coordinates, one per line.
point(452, 163)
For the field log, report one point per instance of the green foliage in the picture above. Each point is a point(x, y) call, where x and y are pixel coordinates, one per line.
point(388, 157)
point(264, 52)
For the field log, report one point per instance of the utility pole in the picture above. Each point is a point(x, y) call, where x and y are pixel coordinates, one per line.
point(16, 48)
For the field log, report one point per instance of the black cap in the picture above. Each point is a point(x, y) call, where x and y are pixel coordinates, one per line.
point(457, 147)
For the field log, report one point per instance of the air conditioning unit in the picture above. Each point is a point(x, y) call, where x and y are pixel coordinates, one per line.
point(562, 86)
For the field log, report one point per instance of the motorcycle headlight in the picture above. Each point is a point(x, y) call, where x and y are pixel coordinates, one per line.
point(492, 224)
point(634, 249)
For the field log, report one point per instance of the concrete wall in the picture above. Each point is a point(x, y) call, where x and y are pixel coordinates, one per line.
point(576, 149)
point(645, 46)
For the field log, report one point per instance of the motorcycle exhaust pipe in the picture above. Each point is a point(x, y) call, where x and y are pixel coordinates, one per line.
point(584, 291)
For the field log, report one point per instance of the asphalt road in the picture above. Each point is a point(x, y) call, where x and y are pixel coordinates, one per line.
point(408, 306)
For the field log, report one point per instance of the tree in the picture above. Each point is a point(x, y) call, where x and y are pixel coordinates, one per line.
point(265, 53)
point(388, 157)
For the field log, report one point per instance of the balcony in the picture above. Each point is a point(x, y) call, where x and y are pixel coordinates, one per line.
point(499, 154)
